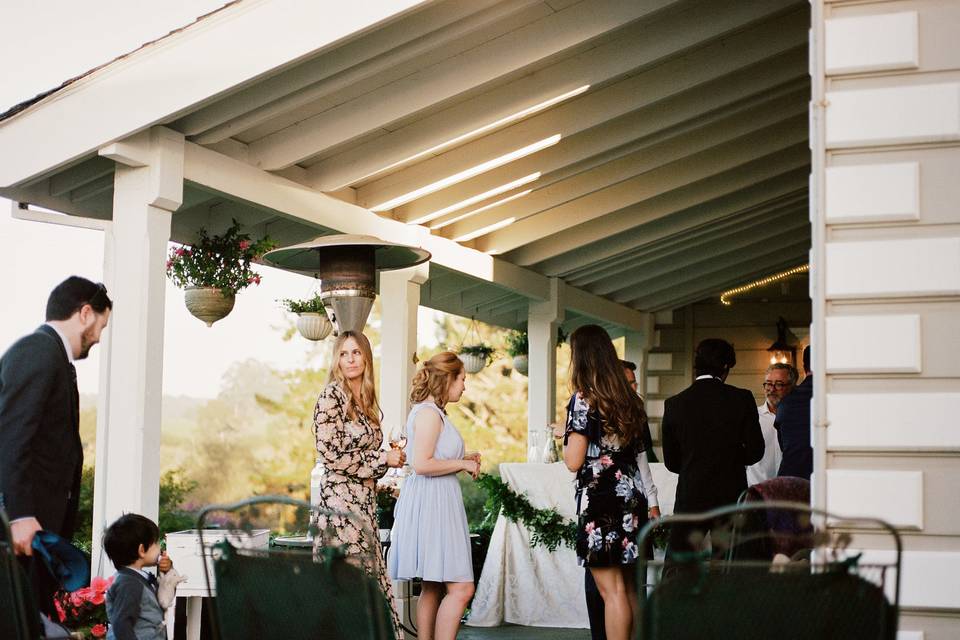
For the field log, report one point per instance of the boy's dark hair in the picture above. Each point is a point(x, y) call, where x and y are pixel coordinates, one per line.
point(123, 538)
point(806, 358)
point(626, 364)
point(714, 357)
point(69, 296)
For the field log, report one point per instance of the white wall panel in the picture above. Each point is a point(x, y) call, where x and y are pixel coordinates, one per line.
point(885, 268)
point(660, 362)
point(654, 408)
point(653, 384)
point(873, 193)
point(873, 344)
point(909, 635)
point(894, 496)
point(893, 420)
point(871, 43)
point(929, 579)
point(893, 115)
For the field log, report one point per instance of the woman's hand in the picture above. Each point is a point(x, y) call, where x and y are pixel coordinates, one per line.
point(654, 512)
point(558, 429)
point(396, 458)
point(474, 455)
point(472, 467)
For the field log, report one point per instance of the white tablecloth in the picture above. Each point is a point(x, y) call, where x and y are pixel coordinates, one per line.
point(532, 586)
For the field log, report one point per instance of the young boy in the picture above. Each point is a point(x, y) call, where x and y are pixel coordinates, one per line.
point(133, 608)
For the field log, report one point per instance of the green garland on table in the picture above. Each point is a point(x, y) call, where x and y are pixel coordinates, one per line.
point(546, 526)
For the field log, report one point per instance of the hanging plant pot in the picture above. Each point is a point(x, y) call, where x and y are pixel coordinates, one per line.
point(313, 326)
point(521, 364)
point(472, 362)
point(208, 303)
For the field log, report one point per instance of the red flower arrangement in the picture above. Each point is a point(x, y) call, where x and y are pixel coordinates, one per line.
point(217, 261)
point(84, 610)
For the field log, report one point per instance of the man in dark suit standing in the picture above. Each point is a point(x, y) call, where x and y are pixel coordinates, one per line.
point(41, 457)
point(793, 427)
point(711, 432)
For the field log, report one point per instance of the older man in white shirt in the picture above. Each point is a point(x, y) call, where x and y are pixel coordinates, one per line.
point(777, 383)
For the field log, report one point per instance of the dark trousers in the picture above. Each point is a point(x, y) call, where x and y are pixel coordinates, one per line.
point(594, 607)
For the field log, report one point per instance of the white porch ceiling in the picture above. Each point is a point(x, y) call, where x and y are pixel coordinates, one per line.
point(650, 152)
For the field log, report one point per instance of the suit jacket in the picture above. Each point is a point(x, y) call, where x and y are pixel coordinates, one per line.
point(793, 431)
point(41, 457)
point(711, 432)
point(133, 609)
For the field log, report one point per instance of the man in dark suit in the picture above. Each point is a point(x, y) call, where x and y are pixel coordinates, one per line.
point(41, 457)
point(793, 427)
point(711, 432)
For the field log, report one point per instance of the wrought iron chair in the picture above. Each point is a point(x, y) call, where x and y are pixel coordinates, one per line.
point(707, 587)
point(288, 593)
point(19, 616)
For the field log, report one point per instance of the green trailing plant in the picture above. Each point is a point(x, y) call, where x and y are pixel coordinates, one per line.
point(547, 527)
point(309, 305)
point(222, 262)
point(517, 343)
point(481, 350)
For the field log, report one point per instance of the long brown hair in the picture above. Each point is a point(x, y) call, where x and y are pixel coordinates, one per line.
point(597, 374)
point(435, 377)
point(367, 402)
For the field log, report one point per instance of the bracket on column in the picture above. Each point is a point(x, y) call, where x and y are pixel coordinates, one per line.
point(161, 150)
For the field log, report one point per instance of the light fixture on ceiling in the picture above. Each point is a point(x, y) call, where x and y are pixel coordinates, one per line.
point(726, 295)
point(781, 351)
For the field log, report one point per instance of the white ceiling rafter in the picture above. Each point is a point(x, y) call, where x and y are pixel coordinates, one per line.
point(500, 56)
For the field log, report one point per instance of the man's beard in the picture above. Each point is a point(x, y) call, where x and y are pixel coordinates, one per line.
point(86, 343)
point(773, 401)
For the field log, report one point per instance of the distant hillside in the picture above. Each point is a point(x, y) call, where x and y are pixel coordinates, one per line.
point(174, 407)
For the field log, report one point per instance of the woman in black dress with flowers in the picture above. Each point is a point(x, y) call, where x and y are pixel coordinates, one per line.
point(603, 445)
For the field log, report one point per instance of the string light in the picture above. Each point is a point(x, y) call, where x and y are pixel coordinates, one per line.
point(724, 297)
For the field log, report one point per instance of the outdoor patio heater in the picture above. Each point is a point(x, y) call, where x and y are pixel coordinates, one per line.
point(347, 267)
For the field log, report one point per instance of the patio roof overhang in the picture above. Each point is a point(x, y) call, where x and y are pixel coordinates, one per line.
point(646, 154)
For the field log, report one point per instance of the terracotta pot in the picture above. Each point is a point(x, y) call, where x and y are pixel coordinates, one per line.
point(313, 326)
point(521, 364)
point(208, 303)
point(472, 362)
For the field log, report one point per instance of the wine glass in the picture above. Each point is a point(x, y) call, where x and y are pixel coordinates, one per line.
point(398, 442)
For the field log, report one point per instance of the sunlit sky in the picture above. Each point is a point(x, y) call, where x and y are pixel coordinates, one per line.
point(44, 43)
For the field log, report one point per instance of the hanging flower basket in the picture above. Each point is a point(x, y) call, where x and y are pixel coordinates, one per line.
point(215, 264)
point(208, 303)
point(521, 364)
point(313, 326)
point(475, 357)
point(312, 321)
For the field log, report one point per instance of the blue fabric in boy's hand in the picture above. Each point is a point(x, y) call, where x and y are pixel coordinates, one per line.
point(68, 564)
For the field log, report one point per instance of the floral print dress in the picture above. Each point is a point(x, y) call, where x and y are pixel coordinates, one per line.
point(611, 486)
point(350, 451)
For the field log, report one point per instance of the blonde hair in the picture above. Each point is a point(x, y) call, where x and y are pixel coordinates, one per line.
point(435, 377)
point(367, 402)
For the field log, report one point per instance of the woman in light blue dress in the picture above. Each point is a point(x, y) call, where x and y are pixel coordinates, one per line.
point(430, 538)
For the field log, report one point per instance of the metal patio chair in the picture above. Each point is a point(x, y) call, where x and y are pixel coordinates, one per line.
point(713, 584)
point(264, 593)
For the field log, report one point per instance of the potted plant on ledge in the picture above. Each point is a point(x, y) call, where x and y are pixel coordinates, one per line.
point(517, 347)
point(476, 356)
point(214, 269)
point(312, 321)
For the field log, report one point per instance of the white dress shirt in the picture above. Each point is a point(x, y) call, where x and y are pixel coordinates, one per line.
point(66, 343)
point(770, 462)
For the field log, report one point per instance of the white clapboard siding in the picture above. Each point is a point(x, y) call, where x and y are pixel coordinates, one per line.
point(660, 362)
point(894, 496)
point(893, 420)
point(893, 115)
point(852, 344)
point(885, 268)
point(929, 579)
point(873, 193)
point(871, 43)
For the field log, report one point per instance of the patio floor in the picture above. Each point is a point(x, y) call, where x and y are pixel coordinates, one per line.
point(514, 632)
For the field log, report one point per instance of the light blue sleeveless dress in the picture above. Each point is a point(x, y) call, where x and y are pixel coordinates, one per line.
point(430, 537)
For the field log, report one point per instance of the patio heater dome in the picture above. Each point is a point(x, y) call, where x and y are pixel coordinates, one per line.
point(346, 266)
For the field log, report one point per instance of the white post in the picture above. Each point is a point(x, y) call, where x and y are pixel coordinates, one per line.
point(148, 186)
point(637, 344)
point(399, 301)
point(542, 323)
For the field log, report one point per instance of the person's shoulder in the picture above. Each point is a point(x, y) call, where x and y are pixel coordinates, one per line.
point(332, 390)
point(36, 348)
point(125, 582)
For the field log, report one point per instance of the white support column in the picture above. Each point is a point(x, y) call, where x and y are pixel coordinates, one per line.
point(400, 301)
point(148, 186)
point(636, 346)
point(544, 318)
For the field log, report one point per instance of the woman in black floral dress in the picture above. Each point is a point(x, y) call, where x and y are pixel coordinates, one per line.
point(603, 445)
